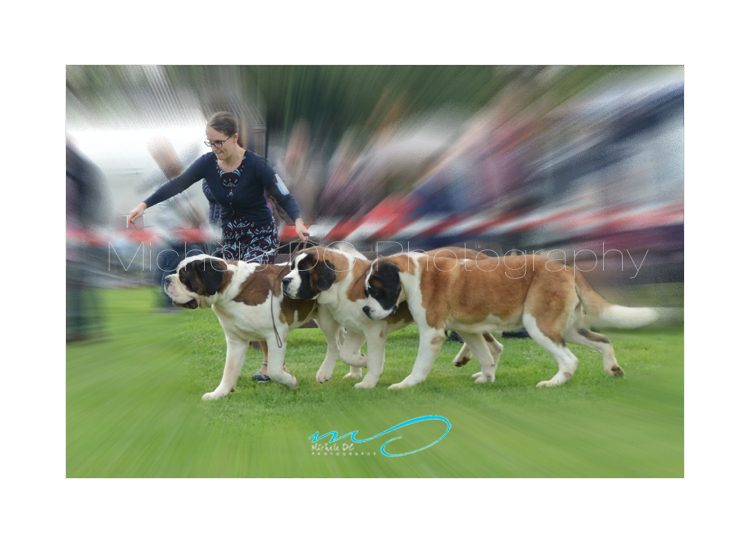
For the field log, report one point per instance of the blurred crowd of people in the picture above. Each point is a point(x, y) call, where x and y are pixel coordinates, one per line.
point(602, 155)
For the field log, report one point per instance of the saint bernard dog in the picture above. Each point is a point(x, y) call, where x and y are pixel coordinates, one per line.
point(241, 295)
point(477, 296)
point(336, 279)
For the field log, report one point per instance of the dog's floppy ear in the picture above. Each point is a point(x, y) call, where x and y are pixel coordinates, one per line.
point(388, 275)
point(211, 273)
point(326, 275)
point(212, 278)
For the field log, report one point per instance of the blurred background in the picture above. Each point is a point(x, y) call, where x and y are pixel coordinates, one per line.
point(584, 160)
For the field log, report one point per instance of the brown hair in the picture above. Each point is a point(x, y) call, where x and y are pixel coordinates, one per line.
point(225, 123)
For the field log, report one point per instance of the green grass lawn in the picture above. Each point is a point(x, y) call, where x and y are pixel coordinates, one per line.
point(134, 408)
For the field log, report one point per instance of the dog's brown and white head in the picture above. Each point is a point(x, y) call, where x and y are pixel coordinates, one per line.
point(383, 289)
point(197, 282)
point(313, 271)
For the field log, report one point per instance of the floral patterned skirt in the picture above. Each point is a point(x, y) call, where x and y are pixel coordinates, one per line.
point(248, 241)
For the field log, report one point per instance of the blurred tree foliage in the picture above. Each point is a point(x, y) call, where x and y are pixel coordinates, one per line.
point(331, 98)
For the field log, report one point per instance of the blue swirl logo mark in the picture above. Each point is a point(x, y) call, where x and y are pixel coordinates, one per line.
point(334, 436)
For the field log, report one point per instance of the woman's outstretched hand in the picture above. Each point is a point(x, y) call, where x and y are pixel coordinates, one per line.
point(135, 214)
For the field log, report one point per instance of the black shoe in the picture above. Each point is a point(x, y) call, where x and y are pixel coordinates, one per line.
point(261, 378)
point(455, 337)
point(517, 334)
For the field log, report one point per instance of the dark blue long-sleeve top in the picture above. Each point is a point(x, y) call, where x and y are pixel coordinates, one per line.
point(214, 209)
point(246, 199)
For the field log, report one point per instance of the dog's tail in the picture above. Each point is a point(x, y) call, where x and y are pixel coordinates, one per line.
point(600, 312)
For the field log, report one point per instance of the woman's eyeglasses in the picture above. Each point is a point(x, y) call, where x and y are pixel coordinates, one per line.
point(216, 144)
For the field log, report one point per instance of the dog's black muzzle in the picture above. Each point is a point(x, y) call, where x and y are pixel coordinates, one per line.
point(192, 304)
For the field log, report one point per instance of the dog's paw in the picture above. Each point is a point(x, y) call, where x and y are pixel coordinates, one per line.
point(294, 385)
point(323, 376)
point(364, 385)
point(547, 384)
point(461, 362)
point(356, 360)
point(483, 379)
point(616, 371)
point(213, 396)
point(354, 372)
point(399, 386)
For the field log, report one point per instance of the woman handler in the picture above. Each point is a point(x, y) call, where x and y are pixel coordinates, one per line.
point(238, 180)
